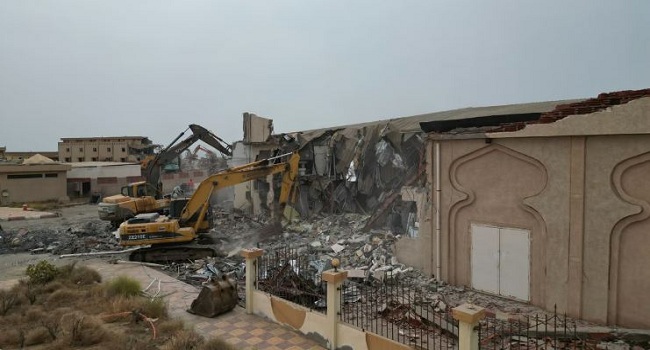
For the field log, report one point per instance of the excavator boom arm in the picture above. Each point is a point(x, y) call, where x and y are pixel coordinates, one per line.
point(152, 172)
point(197, 206)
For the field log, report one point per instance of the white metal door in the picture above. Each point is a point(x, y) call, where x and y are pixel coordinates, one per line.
point(501, 261)
point(485, 258)
point(514, 266)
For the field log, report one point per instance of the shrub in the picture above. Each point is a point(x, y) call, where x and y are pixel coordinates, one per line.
point(35, 314)
point(51, 287)
point(42, 272)
point(184, 340)
point(79, 275)
point(84, 276)
point(28, 290)
point(62, 297)
point(154, 308)
point(125, 286)
point(12, 338)
point(36, 336)
point(217, 344)
point(120, 304)
point(170, 327)
point(83, 330)
point(8, 300)
point(52, 325)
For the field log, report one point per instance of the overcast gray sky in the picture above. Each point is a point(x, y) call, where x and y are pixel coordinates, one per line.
point(150, 68)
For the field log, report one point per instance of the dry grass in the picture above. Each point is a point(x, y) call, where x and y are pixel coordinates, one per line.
point(75, 311)
point(217, 344)
point(36, 336)
point(184, 340)
point(79, 275)
point(124, 286)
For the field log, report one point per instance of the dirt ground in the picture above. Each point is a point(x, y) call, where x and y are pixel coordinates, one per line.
point(12, 266)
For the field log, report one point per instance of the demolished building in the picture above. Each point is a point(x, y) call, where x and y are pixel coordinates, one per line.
point(555, 187)
point(376, 168)
point(338, 168)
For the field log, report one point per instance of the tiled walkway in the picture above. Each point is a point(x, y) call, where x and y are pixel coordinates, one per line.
point(240, 329)
point(236, 327)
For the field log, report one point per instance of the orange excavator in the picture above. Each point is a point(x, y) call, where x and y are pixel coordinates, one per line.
point(175, 236)
point(147, 196)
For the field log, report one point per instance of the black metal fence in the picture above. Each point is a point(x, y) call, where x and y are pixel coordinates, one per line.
point(393, 309)
point(532, 332)
point(287, 274)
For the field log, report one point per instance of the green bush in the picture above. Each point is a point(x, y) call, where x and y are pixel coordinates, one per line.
point(42, 272)
point(123, 285)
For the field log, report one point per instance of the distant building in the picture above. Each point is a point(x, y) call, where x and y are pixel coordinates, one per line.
point(20, 156)
point(105, 178)
point(37, 179)
point(105, 149)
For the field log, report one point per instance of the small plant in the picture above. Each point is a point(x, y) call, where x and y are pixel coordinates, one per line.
point(170, 327)
point(81, 330)
point(184, 340)
point(82, 275)
point(62, 297)
point(28, 289)
point(7, 301)
point(41, 273)
point(217, 344)
point(53, 327)
point(36, 336)
point(125, 286)
point(154, 308)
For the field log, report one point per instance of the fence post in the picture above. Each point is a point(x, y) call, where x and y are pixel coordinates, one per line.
point(334, 279)
point(251, 256)
point(468, 316)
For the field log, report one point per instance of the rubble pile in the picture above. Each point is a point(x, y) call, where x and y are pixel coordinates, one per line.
point(88, 237)
point(367, 256)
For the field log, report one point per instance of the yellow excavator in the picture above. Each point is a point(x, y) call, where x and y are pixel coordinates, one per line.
point(147, 196)
point(176, 237)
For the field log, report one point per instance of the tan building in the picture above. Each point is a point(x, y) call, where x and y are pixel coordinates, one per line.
point(552, 211)
point(105, 149)
point(20, 156)
point(38, 179)
point(86, 179)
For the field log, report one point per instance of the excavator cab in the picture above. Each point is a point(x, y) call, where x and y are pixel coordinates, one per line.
point(141, 189)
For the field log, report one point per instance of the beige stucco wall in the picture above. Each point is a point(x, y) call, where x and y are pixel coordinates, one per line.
point(33, 189)
point(585, 199)
point(314, 325)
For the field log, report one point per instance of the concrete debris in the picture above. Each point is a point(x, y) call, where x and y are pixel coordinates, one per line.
point(337, 248)
point(357, 273)
point(89, 237)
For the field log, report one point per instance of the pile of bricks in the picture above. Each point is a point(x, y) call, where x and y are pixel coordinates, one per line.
point(603, 101)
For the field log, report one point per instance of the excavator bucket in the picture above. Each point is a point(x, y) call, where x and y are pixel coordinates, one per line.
point(215, 298)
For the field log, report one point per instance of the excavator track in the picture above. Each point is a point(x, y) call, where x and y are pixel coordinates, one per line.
point(171, 253)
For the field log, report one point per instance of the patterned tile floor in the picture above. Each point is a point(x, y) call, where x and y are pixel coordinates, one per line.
point(240, 329)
